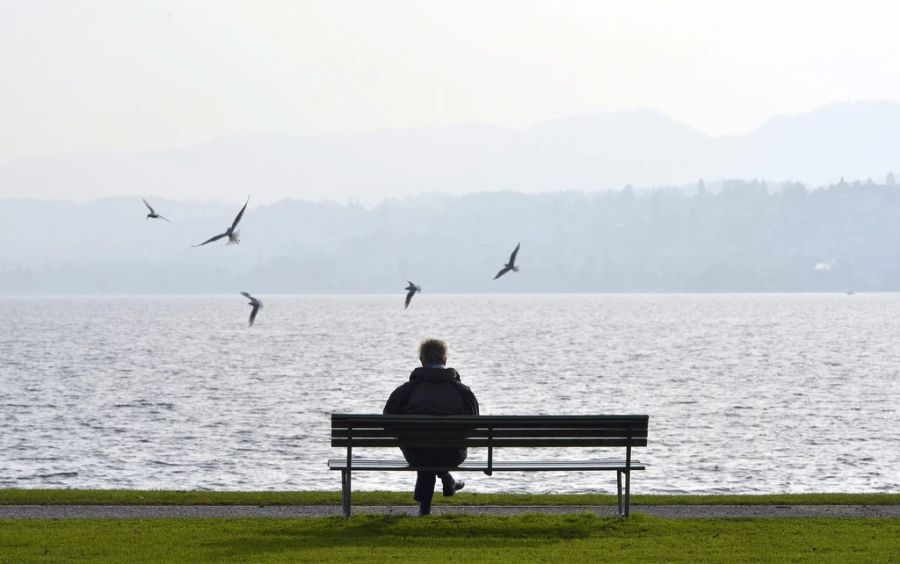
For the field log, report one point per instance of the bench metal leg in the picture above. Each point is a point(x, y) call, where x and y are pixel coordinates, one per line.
point(619, 492)
point(345, 493)
point(627, 492)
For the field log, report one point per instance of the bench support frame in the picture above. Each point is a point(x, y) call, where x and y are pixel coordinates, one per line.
point(623, 496)
point(513, 431)
point(345, 493)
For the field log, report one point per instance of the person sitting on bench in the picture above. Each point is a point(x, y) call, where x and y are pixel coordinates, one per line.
point(433, 389)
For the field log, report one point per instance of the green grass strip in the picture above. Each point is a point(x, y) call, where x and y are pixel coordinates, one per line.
point(167, 497)
point(453, 538)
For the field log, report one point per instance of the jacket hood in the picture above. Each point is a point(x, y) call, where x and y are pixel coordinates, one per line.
point(434, 375)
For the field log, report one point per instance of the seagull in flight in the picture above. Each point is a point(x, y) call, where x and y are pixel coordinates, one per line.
point(511, 265)
point(232, 233)
point(152, 214)
point(257, 304)
point(411, 291)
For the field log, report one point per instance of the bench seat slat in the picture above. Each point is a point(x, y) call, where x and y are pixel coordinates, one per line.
point(492, 418)
point(480, 465)
point(473, 433)
point(494, 421)
point(472, 426)
point(496, 443)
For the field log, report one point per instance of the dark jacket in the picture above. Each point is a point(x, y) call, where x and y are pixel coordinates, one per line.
point(433, 391)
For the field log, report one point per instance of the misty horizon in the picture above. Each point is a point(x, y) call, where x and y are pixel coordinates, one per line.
point(733, 236)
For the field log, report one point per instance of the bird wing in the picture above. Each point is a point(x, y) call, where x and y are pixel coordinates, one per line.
point(149, 207)
point(210, 240)
point(410, 285)
point(161, 217)
point(512, 257)
point(246, 295)
point(409, 296)
point(240, 215)
point(253, 315)
point(503, 271)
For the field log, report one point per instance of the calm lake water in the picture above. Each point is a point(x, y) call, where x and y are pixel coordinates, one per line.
point(746, 393)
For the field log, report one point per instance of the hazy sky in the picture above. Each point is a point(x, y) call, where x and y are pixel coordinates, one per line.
point(96, 75)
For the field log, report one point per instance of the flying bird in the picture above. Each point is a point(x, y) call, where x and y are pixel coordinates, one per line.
point(232, 233)
point(511, 265)
point(152, 214)
point(256, 304)
point(411, 291)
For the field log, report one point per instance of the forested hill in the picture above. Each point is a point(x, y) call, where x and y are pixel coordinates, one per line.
point(731, 236)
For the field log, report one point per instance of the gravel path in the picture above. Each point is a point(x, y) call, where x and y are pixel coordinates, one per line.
point(291, 511)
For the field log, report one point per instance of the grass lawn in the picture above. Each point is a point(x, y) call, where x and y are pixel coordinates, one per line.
point(453, 538)
point(164, 497)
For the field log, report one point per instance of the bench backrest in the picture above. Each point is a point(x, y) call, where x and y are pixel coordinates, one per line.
point(493, 431)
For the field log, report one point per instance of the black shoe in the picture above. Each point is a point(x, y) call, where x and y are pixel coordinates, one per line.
point(454, 487)
point(424, 509)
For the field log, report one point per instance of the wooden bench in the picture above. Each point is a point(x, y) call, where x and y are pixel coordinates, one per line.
point(491, 432)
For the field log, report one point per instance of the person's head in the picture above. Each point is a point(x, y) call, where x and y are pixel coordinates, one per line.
point(433, 351)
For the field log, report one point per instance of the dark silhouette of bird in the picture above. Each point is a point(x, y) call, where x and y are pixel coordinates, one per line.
point(411, 290)
point(256, 304)
point(232, 233)
point(152, 214)
point(511, 265)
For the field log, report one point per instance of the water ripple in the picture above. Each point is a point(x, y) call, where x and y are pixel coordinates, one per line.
point(747, 394)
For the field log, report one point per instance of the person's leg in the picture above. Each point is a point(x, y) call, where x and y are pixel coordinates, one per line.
point(450, 486)
point(450, 458)
point(425, 481)
point(424, 491)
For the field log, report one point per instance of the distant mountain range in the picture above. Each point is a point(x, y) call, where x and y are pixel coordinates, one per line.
point(584, 152)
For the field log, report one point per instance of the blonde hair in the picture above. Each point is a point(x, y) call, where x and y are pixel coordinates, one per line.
point(433, 351)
